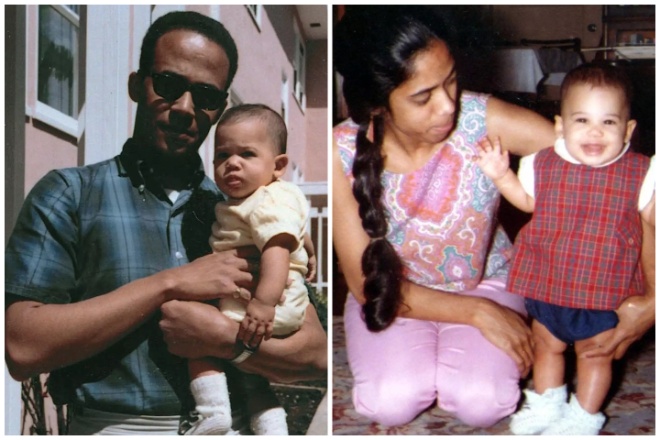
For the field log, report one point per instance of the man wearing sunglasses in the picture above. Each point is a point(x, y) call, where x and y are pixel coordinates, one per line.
point(108, 265)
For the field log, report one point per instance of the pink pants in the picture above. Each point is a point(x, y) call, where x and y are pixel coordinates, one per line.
point(401, 371)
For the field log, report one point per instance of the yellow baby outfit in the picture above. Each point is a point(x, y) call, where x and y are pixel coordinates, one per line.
point(278, 208)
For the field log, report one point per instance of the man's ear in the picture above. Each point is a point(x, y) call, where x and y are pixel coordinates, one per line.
point(136, 87)
point(281, 162)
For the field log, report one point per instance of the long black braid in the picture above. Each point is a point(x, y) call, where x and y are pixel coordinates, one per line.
point(374, 53)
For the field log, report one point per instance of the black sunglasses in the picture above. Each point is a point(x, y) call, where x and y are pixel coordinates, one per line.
point(172, 86)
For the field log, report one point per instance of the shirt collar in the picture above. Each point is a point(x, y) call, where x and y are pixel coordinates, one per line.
point(131, 164)
point(562, 151)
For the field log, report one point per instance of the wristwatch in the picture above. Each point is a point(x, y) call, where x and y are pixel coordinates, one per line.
point(246, 352)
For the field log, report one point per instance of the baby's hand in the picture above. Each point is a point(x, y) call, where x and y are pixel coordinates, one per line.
point(311, 268)
point(257, 324)
point(492, 160)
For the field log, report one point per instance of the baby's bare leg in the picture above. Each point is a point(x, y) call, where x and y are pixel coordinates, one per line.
point(594, 375)
point(549, 362)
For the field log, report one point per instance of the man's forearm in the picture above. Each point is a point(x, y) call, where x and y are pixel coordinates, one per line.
point(42, 337)
point(196, 330)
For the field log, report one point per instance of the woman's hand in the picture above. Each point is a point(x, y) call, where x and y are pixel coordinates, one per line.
point(508, 331)
point(636, 316)
point(636, 313)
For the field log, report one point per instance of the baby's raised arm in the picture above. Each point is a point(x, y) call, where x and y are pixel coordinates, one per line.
point(495, 164)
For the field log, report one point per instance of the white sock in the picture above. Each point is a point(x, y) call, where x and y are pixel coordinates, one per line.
point(271, 421)
point(211, 395)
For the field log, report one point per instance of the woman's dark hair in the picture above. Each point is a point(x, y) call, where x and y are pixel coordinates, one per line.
point(374, 51)
point(193, 21)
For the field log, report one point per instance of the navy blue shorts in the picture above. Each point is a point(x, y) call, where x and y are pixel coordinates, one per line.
point(568, 324)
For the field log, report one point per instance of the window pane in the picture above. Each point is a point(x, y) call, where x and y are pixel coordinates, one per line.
point(58, 54)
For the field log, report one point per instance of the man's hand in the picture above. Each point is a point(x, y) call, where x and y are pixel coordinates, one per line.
point(217, 275)
point(257, 324)
point(195, 330)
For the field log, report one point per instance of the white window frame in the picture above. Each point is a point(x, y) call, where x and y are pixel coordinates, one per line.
point(256, 12)
point(299, 67)
point(42, 111)
point(284, 97)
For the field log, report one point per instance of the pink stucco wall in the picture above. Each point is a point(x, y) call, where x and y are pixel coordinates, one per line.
point(316, 169)
point(45, 148)
point(263, 62)
point(45, 151)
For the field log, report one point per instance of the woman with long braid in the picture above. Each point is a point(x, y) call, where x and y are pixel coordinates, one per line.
point(415, 230)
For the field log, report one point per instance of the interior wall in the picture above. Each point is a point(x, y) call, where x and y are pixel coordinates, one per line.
point(512, 23)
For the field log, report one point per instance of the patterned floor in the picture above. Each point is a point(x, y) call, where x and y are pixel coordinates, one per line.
point(631, 410)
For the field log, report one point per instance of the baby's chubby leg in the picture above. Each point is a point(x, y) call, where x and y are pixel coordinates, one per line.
point(594, 375)
point(549, 361)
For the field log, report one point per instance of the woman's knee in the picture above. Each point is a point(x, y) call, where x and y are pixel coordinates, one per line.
point(393, 404)
point(480, 405)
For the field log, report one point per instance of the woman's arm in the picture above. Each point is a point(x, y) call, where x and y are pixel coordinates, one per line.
point(637, 313)
point(349, 238)
point(503, 327)
point(521, 131)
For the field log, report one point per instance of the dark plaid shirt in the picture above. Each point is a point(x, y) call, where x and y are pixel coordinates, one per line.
point(582, 247)
point(86, 231)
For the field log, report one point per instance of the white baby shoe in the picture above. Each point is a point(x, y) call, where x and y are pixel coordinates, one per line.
point(576, 421)
point(539, 411)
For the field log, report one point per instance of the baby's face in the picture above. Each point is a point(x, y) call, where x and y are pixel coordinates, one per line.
point(594, 123)
point(245, 158)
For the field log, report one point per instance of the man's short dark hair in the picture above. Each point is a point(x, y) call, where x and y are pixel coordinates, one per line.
point(193, 21)
point(275, 124)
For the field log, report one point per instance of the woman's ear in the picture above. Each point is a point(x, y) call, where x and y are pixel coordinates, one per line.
point(281, 162)
point(136, 87)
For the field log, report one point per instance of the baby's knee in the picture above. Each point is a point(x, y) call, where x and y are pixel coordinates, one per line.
point(480, 405)
point(392, 404)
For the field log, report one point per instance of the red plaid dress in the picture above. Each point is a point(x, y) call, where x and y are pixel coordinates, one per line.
point(582, 247)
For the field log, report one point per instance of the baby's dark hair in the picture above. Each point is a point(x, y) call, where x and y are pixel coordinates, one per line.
point(276, 127)
point(374, 51)
point(193, 21)
point(599, 75)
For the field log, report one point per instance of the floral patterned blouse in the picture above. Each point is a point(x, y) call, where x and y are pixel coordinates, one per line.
point(442, 217)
